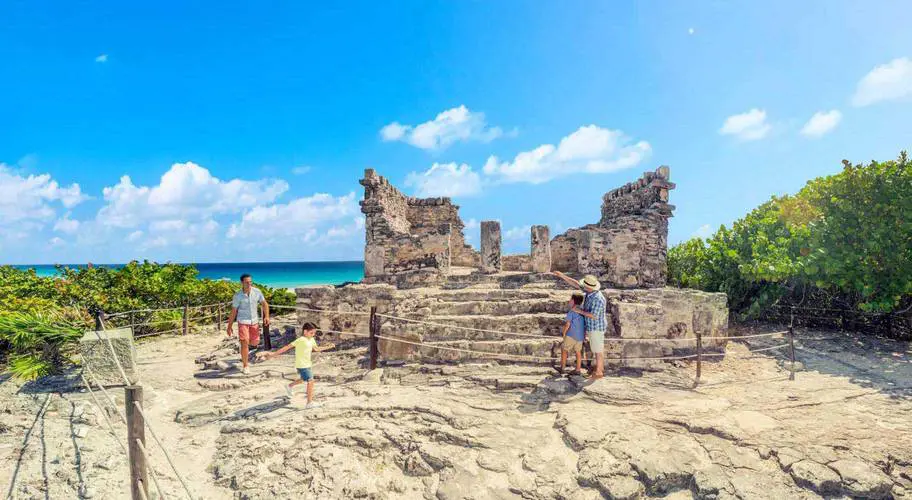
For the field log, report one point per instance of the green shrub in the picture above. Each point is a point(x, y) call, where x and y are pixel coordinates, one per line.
point(843, 241)
point(59, 305)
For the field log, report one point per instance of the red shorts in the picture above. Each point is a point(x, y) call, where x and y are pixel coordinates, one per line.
point(249, 334)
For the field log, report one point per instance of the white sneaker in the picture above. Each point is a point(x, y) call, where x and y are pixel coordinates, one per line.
point(289, 391)
point(312, 405)
point(245, 370)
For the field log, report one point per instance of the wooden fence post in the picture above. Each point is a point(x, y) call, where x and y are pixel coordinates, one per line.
point(186, 312)
point(791, 334)
point(699, 333)
point(99, 320)
point(219, 316)
point(136, 430)
point(267, 342)
point(374, 331)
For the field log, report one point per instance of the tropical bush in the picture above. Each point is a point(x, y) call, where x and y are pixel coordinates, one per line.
point(842, 243)
point(38, 315)
point(38, 342)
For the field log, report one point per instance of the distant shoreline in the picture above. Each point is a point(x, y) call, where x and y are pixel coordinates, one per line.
point(287, 275)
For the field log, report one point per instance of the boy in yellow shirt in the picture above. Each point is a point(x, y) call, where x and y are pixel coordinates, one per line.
point(303, 346)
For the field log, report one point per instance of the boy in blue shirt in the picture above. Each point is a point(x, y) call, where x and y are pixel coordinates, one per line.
point(573, 332)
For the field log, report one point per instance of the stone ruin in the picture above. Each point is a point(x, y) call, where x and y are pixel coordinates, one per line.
point(417, 265)
point(415, 242)
point(410, 241)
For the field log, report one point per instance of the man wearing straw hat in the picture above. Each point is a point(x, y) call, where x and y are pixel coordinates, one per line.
point(594, 317)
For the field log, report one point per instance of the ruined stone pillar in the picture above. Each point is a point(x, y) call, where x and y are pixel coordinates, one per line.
point(490, 246)
point(541, 249)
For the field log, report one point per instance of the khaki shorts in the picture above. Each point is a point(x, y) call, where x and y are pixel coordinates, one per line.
point(570, 344)
point(597, 341)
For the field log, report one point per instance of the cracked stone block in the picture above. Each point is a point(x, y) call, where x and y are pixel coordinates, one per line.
point(98, 357)
point(541, 249)
point(490, 246)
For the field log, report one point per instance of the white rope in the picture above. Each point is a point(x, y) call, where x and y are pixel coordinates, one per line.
point(104, 414)
point(163, 449)
point(780, 346)
point(747, 336)
point(142, 449)
point(615, 339)
point(120, 414)
point(98, 333)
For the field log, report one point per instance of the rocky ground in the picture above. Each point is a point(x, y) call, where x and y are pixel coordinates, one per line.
point(841, 429)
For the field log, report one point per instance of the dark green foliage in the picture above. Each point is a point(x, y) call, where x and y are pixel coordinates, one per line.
point(843, 241)
point(39, 314)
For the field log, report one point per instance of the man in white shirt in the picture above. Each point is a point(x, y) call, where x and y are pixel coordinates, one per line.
point(244, 309)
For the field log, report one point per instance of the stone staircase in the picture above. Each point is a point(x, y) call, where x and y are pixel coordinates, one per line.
point(532, 309)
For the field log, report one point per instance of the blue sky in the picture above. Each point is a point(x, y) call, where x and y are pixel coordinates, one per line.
point(244, 128)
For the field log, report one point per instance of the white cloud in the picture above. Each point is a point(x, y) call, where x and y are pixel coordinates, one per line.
point(518, 233)
point(103, 58)
point(703, 232)
point(886, 82)
point(66, 225)
point(303, 169)
point(690, 31)
point(55, 242)
point(394, 131)
point(590, 149)
point(749, 126)
point(177, 232)
point(445, 179)
point(448, 127)
point(185, 191)
point(296, 219)
point(821, 123)
point(32, 198)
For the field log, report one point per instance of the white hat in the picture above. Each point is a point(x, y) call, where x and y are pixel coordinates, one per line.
point(591, 282)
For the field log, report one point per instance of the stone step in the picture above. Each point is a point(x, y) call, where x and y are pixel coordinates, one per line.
point(508, 280)
point(491, 294)
point(434, 352)
point(442, 329)
point(499, 307)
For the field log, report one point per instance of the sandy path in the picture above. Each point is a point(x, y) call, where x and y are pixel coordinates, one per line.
point(486, 430)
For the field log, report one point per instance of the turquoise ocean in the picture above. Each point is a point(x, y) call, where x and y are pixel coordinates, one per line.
point(275, 274)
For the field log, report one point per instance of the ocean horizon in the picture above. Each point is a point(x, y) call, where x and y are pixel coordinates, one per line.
point(274, 274)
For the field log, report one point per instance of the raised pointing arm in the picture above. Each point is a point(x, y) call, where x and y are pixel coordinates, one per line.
point(568, 279)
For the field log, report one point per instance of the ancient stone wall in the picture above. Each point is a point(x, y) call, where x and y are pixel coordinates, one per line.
point(424, 215)
point(410, 241)
point(518, 262)
point(628, 247)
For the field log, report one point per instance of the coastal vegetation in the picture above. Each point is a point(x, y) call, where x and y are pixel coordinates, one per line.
point(841, 246)
point(42, 317)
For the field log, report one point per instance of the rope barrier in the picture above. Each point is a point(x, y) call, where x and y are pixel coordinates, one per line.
point(163, 449)
point(105, 415)
point(177, 308)
point(100, 334)
point(120, 414)
point(780, 346)
point(114, 354)
point(142, 449)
